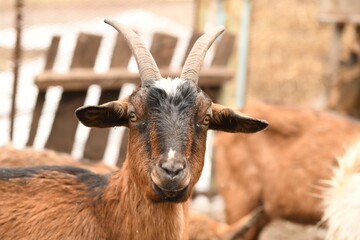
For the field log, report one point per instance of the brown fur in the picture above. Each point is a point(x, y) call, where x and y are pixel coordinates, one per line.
point(201, 227)
point(281, 167)
point(123, 207)
point(71, 213)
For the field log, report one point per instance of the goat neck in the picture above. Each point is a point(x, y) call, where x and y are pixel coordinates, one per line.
point(136, 215)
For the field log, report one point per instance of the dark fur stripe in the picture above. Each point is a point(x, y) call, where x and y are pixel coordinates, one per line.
point(90, 179)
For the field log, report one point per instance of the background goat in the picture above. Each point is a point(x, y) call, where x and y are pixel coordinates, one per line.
point(342, 198)
point(149, 197)
point(12, 157)
point(281, 167)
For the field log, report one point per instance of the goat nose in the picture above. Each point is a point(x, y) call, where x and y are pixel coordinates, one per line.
point(172, 169)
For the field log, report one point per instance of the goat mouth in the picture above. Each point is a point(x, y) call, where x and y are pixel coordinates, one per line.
point(170, 196)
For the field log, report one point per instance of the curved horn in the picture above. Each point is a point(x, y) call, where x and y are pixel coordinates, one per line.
point(148, 69)
point(194, 61)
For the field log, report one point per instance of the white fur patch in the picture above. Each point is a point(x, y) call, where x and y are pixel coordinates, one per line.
point(171, 154)
point(342, 198)
point(169, 85)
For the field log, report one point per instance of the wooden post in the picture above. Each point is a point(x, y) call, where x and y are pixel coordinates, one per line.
point(334, 55)
point(17, 58)
point(200, 13)
point(243, 48)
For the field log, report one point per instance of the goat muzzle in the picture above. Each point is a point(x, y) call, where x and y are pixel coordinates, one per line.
point(171, 183)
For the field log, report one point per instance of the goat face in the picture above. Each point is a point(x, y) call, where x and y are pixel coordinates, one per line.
point(171, 124)
point(168, 121)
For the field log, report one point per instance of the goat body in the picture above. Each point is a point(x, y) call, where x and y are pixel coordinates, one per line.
point(281, 167)
point(59, 202)
point(201, 226)
point(12, 157)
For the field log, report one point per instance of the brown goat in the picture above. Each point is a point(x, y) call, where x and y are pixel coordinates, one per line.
point(201, 226)
point(149, 197)
point(281, 167)
point(12, 157)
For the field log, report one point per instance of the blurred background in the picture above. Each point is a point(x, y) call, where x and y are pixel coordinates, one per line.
point(289, 49)
point(284, 51)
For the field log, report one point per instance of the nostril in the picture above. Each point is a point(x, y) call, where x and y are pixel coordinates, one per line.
point(172, 169)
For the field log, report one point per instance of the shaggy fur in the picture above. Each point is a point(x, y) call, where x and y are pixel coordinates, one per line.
point(281, 167)
point(342, 198)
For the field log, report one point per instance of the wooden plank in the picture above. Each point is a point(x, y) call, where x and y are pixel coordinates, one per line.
point(162, 49)
point(224, 50)
point(52, 53)
point(121, 54)
point(193, 38)
point(81, 79)
point(222, 56)
point(86, 51)
point(97, 140)
point(40, 100)
point(49, 63)
point(115, 78)
point(335, 11)
point(62, 134)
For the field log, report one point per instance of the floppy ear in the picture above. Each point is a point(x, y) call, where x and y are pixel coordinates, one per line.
point(106, 115)
point(227, 120)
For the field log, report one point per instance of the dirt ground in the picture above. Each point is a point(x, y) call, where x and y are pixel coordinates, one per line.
point(284, 230)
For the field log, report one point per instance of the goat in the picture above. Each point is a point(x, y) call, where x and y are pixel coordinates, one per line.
point(281, 167)
point(342, 198)
point(149, 196)
point(201, 226)
point(12, 157)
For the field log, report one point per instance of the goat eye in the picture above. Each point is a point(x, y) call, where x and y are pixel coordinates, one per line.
point(206, 120)
point(133, 117)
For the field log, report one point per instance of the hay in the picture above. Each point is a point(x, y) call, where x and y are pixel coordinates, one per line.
point(289, 51)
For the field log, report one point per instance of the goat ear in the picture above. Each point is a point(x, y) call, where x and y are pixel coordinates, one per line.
point(110, 114)
point(227, 120)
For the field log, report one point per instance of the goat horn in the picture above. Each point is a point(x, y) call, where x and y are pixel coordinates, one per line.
point(194, 61)
point(148, 69)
